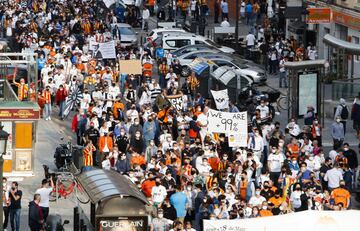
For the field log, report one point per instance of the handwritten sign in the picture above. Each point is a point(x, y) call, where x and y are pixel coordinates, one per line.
point(176, 101)
point(226, 122)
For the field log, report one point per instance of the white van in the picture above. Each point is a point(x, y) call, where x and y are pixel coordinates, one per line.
point(159, 32)
point(171, 42)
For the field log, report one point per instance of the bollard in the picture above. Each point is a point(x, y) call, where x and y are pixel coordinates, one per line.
point(76, 218)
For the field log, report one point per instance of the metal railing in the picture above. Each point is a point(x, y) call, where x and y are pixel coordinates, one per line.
point(346, 88)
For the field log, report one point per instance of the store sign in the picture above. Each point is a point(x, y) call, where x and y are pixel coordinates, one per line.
point(19, 114)
point(318, 15)
point(346, 20)
point(123, 224)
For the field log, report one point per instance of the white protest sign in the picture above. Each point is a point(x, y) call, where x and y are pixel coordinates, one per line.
point(107, 50)
point(176, 101)
point(237, 140)
point(306, 220)
point(221, 99)
point(226, 122)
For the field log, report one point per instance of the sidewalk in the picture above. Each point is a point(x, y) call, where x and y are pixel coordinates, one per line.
point(48, 137)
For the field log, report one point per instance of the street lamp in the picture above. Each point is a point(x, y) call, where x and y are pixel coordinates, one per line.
point(3, 142)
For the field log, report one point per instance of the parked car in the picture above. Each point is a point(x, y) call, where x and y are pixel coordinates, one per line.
point(159, 32)
point(247, 68)
point(173, 42)
point(128, 36)
point(191, 48)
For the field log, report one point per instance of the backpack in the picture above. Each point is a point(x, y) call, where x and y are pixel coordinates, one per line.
point(344, 113)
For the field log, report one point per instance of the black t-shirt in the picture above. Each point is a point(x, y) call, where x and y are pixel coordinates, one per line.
point(16, 204)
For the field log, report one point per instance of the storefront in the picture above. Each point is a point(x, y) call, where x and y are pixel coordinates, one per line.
point(20, 121)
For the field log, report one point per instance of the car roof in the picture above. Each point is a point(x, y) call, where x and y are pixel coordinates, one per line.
point(181, 35)
point(121, 25)
point(167, 29)
point(195, 52)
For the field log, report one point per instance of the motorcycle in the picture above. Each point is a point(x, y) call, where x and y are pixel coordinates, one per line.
point(63, 154)
point(54, 223)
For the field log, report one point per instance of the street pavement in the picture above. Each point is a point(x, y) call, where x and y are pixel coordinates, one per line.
point(50, 132)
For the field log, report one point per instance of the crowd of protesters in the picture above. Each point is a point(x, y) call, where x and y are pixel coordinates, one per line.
point(127, 124)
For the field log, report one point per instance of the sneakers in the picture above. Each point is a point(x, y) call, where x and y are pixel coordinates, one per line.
point(49, 118)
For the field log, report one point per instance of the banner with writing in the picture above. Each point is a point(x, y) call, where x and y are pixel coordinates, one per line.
point(176, 101)
point(105, 50)
point(306, 220)
point(237, 140)
point(221, 99)
point(227, 122)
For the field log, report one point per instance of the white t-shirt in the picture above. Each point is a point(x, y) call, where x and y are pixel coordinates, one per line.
point(264, 111)
point(158, 194)
point(256, 201)
point(250, 40)
point(45, 196)
point(275, 161)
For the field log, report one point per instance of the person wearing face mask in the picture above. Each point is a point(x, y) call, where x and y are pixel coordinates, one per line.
point(257, 199)
point(275, 161)
point(264, 110)
point(47, 96)
point(337, 133)
point(135, 128)
point(265, 211)
point(122, 141)
point(158, 193)
point(149, 130)
point(341, 195)
point(151, 150)
point(137, 143)
point(121, 165)
point(256, 143)
point(160, 223)
point(352, 158)
point(296, 197)
point(316, 132)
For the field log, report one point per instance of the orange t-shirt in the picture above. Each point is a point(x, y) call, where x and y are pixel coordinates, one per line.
point(140, 160)
point(265, 213)
point(147, 186)
point(340, 195)
point(276, 201)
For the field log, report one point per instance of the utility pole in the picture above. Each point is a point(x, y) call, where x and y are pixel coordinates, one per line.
point(237, 26)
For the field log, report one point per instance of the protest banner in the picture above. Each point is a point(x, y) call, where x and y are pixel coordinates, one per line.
point(129, 67)
point(221, 99)
point(107, 50)
point(226, 122)
point(306, 220)
point(176, 101)
point(237, 140)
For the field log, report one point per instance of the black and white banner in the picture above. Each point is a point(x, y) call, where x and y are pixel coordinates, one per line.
point(221, 99)
point(176, 101)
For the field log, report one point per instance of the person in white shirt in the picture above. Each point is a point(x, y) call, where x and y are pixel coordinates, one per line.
point(204, 168)
point(333, 177)
point(275, 162)
point(145, 19)
point(256, 143)
point(225, 23)
point(250, 40)
point(294, 128)
point(264, 110)
point(257, 200)
point(158, 193)
point(44, 192)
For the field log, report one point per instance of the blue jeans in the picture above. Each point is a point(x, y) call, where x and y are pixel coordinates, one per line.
point(282, 79)
point(61, 108)
point(47, 110)
point(15, 216)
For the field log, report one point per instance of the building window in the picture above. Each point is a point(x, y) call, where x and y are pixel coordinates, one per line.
point(356, 41)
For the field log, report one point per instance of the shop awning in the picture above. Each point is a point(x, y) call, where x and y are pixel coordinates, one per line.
point(350, 48)
point(102, 184)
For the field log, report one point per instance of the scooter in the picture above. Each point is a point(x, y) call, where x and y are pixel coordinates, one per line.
point(63, 154)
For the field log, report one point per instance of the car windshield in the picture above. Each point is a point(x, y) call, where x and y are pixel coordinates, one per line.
point(126, 31)
point(240, 63)
point(210, 42)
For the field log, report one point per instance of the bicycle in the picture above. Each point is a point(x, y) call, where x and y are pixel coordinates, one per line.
point(65, 185)
point(283, 103)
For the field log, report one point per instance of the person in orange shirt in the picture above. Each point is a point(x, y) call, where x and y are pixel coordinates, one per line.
point(294, 148)
point(341, 195)
point(23, 89)
point(47, 96)
point(148, 184)
point(265, 212)
point(151, 4)
point(276, 200)
point(88, 155)
point(105, 146)
point(118, 109)
point(137, 159)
